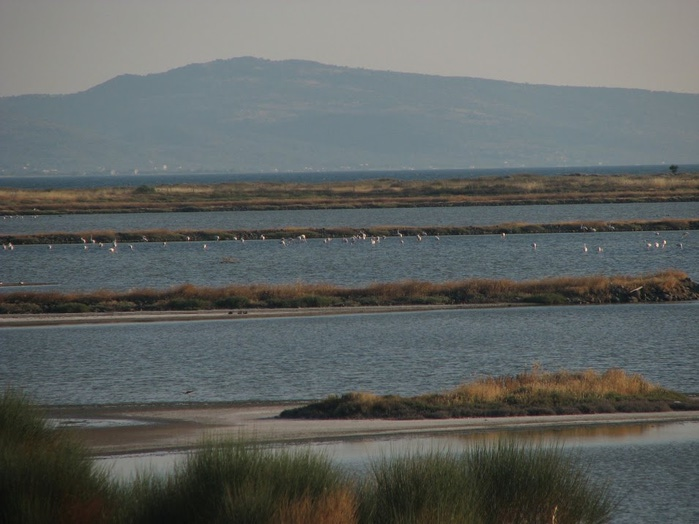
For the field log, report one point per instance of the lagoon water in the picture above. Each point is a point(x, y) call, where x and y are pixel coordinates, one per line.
point(310, 357)
point(354, 218)
point(241, 359)
point(652, 470)
point(158, 266)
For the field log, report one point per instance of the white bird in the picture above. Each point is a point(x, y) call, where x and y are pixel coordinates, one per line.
point(534, 246)
point(584, 248)
point(600, 249)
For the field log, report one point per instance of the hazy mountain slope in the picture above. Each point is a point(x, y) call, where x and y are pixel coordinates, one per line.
point(249, 114)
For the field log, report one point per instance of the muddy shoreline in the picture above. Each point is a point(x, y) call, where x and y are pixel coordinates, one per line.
point(57, 319)
point(114, 430)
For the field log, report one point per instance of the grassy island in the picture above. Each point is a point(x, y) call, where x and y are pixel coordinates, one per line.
point(665, 286)
point(492, 190)
point(530, 393)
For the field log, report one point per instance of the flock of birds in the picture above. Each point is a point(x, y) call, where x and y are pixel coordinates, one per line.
point(360, 237)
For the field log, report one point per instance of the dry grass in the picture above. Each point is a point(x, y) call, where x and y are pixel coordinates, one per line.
point(668, 285)
point(537, 383)
point(519, 189)
point(535, 392)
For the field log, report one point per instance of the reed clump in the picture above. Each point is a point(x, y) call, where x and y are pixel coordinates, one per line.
point(535, 392)
point(46, 477)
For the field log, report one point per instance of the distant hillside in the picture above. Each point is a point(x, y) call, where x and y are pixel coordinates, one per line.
point(248, 114)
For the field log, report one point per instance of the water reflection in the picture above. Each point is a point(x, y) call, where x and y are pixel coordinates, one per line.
point(651, 468)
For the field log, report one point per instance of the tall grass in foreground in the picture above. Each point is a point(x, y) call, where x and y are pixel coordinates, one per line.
point(44, 475)
point(46, 478)
point(501, 483)
point(236, 481)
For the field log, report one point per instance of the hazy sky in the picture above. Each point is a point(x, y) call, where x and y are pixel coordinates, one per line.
point(64, 46)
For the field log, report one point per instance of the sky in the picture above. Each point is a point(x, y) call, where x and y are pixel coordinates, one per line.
point(66, 46)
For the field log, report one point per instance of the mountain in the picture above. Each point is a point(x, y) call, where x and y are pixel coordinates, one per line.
point(249, 114)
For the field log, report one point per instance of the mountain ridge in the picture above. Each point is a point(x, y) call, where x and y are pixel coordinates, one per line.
point(251, 114)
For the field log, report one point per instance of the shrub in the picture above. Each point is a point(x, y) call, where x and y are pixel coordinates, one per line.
point(69, 307)
point(549, 299)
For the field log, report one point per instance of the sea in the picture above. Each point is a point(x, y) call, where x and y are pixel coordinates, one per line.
point(651, 469)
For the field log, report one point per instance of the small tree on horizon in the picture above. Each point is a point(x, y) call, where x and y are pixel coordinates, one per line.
point(673, 168)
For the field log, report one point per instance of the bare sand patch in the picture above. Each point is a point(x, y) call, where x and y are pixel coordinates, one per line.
point(167, 427)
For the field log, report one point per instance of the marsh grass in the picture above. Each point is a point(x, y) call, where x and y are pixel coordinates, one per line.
point(500, 483)
point(535, 392)
point(239, 481)
point(46, 478)
point(664, 286)
point(518, 189)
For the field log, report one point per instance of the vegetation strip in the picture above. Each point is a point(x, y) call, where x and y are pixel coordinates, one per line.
point(340, 194)
point(47, 476)
point(530, 393)
point(665, 286)
point(211, 235)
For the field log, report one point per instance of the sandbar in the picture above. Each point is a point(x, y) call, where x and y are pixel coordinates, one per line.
point(126, 429)
point(57, 319)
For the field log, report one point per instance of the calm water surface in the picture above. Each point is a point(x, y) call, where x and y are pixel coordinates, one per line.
point(356, 218)
point(307, 358)
point(154, 265)
point(402, 353)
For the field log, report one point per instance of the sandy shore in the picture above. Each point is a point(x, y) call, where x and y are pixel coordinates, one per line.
point(49, 319)
point(135, 429)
